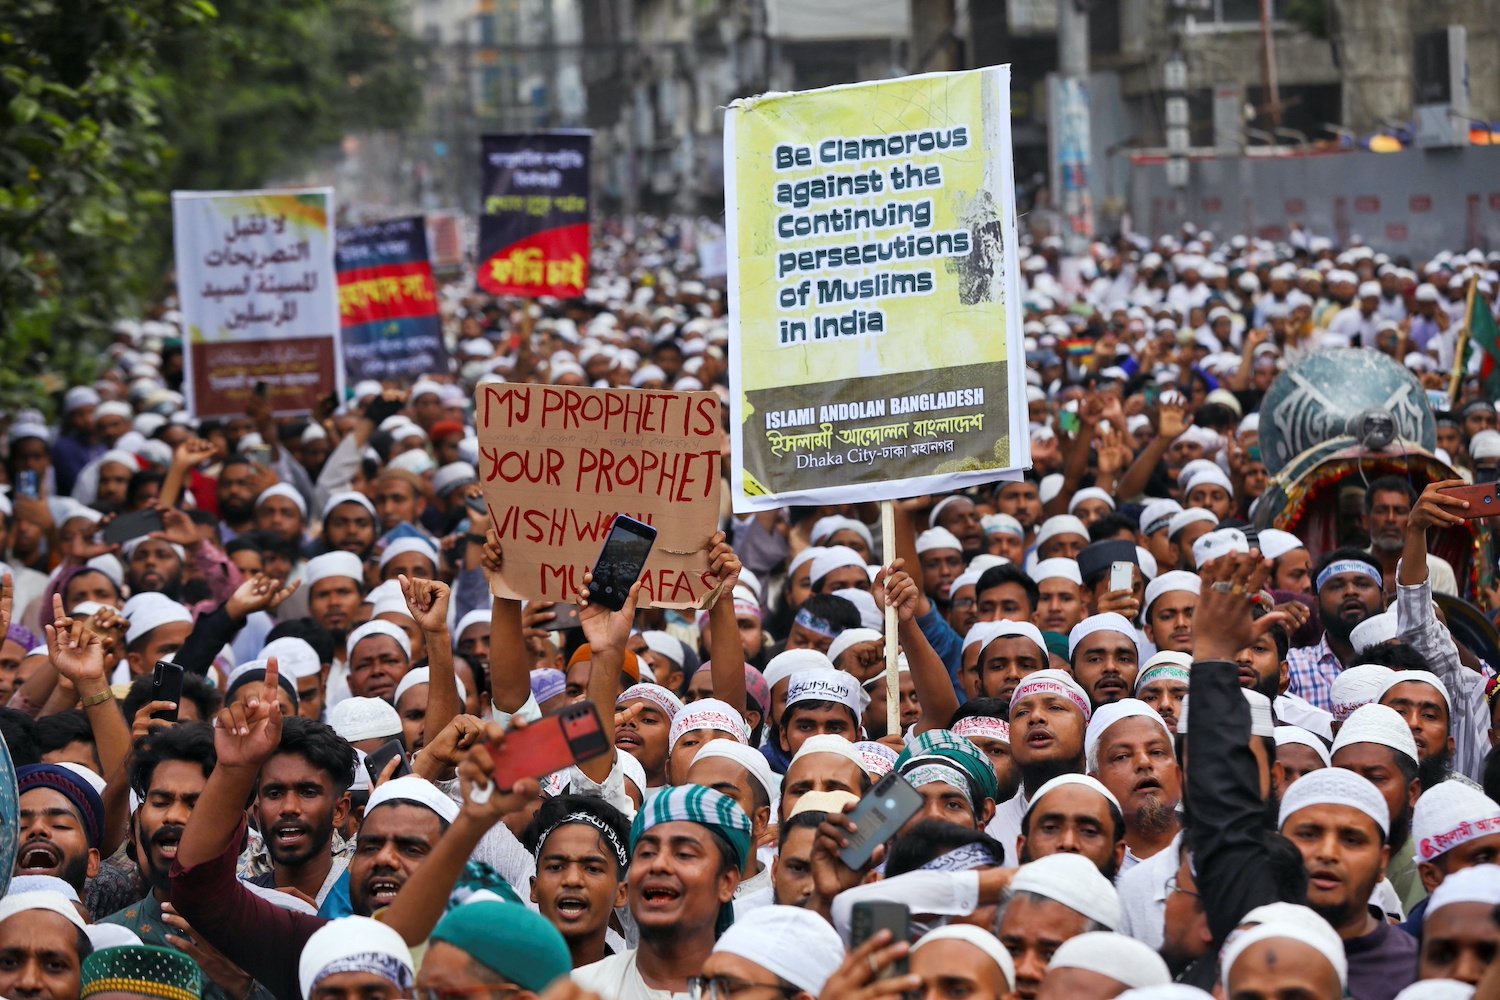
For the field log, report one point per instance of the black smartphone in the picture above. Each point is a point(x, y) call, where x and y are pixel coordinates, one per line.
point(883, 811)
point(477, 505)
point(571, 735)
point(166, 685)
point(866, 919)
point(621, 561)
point(377, 759)
point(567, 617)
point(136, 524)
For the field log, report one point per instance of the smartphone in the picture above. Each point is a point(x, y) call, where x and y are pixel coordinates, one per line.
point(166, 685)
point(135, 524)
point(1484, 499)
point(571, 735)
point(884, 810)
point(376, 760)
point(621, 561)
point(1153, 393)
point(1071, 423)
point(868, 918)
point(1121, 576)
point(28, 485)
point(477, 505)
point(567, 617)
point(259, 455)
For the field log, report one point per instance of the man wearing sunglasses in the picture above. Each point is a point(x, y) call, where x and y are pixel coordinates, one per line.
point(771, 953)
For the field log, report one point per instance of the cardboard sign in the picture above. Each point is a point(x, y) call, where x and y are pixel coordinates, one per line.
point(558, 463)
point(875, 347)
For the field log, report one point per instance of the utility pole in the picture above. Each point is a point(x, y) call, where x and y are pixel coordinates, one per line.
point(1068, 126)
point(934, 40)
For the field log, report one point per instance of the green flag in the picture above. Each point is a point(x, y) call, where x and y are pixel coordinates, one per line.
point(1484, 334)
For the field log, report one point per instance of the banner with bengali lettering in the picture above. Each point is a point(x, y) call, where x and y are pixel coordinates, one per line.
point(875, 340)
point(259, 298)
point(534, 220)
point(388, 301)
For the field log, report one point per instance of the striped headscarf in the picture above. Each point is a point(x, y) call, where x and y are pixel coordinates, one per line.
point(706, 807)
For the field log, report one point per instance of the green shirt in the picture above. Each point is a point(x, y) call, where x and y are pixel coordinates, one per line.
point(144, 920)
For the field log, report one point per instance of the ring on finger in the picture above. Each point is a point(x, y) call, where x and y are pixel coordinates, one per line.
point(875, 969)
point(1222, 586)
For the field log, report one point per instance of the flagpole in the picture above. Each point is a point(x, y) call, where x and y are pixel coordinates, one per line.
point(1463, 343)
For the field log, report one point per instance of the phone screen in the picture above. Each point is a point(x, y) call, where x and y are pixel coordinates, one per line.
point(621, 561)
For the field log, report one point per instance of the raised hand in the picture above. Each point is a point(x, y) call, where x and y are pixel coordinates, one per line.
point(723, 565)
point(856, 978)
point(177, 528)
point(493, 556)
point(76, 651)
point(449, 747)
point(248, 732)
point(1436, 509)
point(830, 875)
point(900, 592)
point(1230, 584)
point(603, 628)
point(427, 600)
point(192, 452)
point(484, 802)
point(7, 601)
point(86, 547)
point(1173, 420)
point(258, 592)
point(143, 724)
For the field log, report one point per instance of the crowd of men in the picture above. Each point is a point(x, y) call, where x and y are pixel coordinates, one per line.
point(1328, 826)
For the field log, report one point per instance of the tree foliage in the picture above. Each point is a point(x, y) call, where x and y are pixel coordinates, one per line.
point(108, 105)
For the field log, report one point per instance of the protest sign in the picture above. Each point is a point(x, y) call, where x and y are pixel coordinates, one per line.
point(875, 347)
point(388, 301)
point(558, 463)
point(534, 224)
point(259, 298)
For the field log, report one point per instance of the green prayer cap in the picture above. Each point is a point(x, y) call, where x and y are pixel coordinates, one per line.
point(142, 969)
point(510, 940)
point(1057, 643)
point(962, 751)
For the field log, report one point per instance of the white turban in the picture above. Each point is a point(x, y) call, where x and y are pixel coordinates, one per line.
point(1084, 780)
point(789, 942)
point(1124, 959)
point(295, 658)
point(1475, 884)
point(870, 615)
point(1275, 543)
point(1005, 628)
point(357, 719)
point(378, 627)
point(1108, 715)
point(45, 899)
point(362, 944)
point(1073, 881)
point(1335, 786)
point(348, 496)
point(979, 938)
point(479, 616)
point(824, 685)
point(1415, 677)
point(834, 523)
point(802, 558)
point(1156, 515)
point(666, 645)
point(1322, 939)
point(417, 791)
point(1051, 681)
point(1209, 477)
point(1217, 543)
point(832, 558)
point(1377, 724)
point(1451, 813)
point(1192, 515)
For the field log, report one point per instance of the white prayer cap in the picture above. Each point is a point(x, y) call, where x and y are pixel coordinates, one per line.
point(1451, 813)
point(745, 756)
point(402, 546)
point(1260, 714)
point(665, 644)
point(1050, 487)
point(1061, 524)
point(981, 632)
point(833, 524)
point(822, 685)
point(1296, 734)
point(453, 475)
point(790, 943)
point(1192, 515)
point(415, 790)
point(1108, 715)
point(1090, 493)
point(1414, 677)
point(1485, 444)
point(1275, 543)
point(351, 938)
point(1475, 884)
point(1005, 628)
point(932, 538)
point(45, 899)
point(870, 615)
point(151, 611)
point(647, 373)
point(807, 555)
point(348, 496)
point(1426, 293)
point(340, 563)
point(1073, 881)
point(1437, 989)
point(1108, 621)
point(1368, 289)
point(708, 713)
point(357, 719)
point(828, 743)
point(1088, 781)
point(87, 776)
point(937, 508)
point(1171, 582)
point(1002, 524)
point(1147, 562)
point(1335, 786)
point(42, 883)
point(785, 664)
point(479, 616)
point(378, 627)
point(314, 432)
point(1157, 514)
point(1376, 724)
point(851, 637)
point(283, 490)
point(1171, 991)
point(295, 658)
point(1322, 939)
point(114, 408)
point(1123, 959)
point(832, 558)
point(968, 578)
point(423, 675)
point(1355, 687)
point(1213, 476)
point(984, 562)
point(979, 938)
point(1052, 569)
point(1219, 542)
point(1051, 681)
point(1373, 631)
point(103, 936)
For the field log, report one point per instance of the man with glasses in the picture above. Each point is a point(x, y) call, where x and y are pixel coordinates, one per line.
point(490, 949)
point(773, 953)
